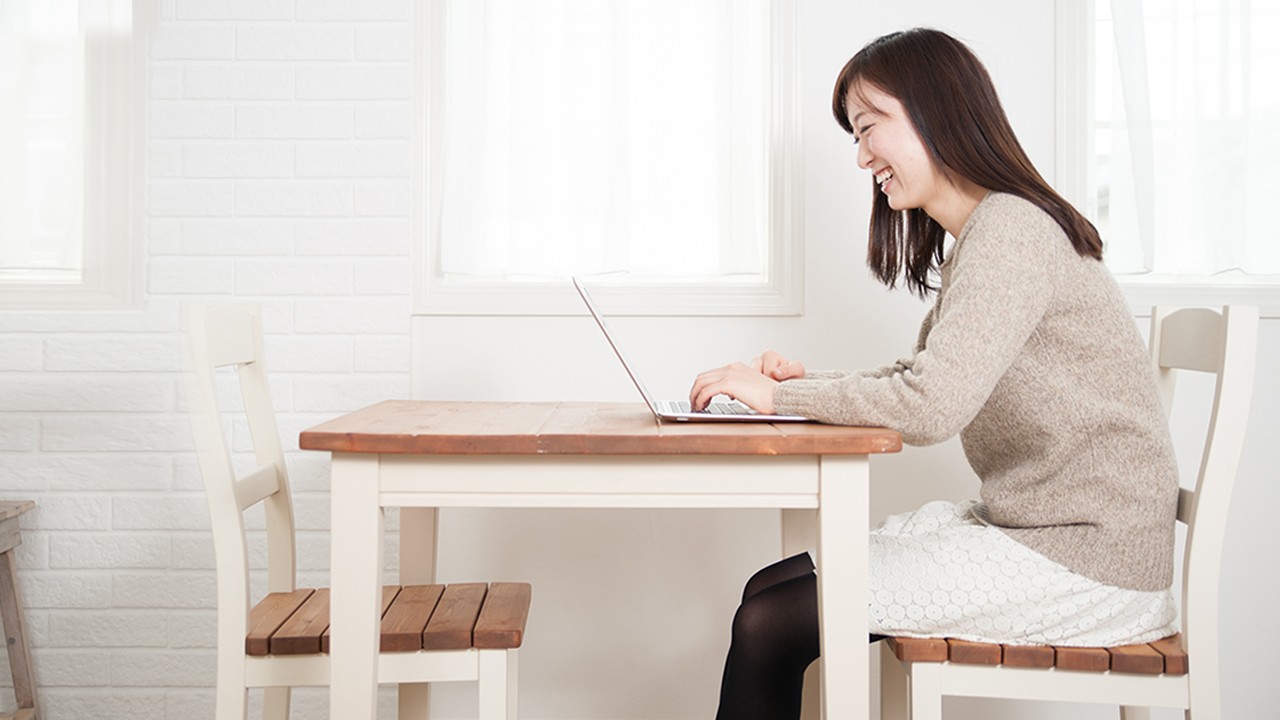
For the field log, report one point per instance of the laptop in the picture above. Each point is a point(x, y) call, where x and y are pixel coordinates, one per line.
point(679, 410)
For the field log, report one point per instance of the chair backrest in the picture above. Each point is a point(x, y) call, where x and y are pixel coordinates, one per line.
point(1224, 344)
point(231, 336)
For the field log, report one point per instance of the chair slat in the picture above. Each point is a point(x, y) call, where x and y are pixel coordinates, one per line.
point(1192, 339)
point(973, 653)
point(1029, 656)
point(268, 615)
point(918, 649)
point(406, 619)
point(259, 483)
point(1175, 658)
point(503, 617)
point(1091, 659)
point(451, 625)
point(301, 633)
point(1139, 659)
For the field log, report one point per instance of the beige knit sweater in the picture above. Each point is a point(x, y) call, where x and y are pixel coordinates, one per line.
point(1031, 354)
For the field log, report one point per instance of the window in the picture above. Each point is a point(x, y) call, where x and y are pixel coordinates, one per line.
point(70, 149)
point(648, 144)
point(1168, 112)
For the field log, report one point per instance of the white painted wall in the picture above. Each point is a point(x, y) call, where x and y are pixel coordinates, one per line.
point(278, 173)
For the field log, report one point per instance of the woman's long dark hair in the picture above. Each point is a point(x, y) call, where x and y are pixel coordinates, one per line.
point(951, 101)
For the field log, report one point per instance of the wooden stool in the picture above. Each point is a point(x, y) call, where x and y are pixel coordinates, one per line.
point(24, 686)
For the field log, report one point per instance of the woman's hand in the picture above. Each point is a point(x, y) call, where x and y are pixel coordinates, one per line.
point(777, 367)
point(751, 384)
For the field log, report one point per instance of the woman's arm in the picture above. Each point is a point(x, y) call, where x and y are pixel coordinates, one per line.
point(998, 285)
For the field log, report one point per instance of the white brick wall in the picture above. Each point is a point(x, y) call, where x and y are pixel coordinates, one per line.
point(277, 172)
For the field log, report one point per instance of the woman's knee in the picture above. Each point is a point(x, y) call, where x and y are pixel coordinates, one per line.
point(777, 573)
point(782, 616)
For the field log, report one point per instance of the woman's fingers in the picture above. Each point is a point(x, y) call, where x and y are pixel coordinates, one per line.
point(739, 381)
point(790, 370)
point(778, 367)
point(706, 386)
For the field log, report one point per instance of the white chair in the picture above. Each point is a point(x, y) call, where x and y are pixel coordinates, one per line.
point(471, 631)
point(1224, 344)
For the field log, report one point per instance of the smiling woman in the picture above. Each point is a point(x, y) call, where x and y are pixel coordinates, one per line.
point(1028, 354)
point(979, 152)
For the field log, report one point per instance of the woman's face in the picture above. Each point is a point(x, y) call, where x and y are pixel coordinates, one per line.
point(890, 147)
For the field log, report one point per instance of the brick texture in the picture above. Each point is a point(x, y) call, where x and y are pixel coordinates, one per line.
point(277, 171)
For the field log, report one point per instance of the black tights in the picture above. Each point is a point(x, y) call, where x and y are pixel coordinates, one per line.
point(775, 638)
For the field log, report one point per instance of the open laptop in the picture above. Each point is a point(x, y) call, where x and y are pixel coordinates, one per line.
point(679, 410)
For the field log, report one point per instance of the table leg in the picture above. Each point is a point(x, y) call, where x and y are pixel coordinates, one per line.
point(356, 587)
point(419, 532)
point(799, 531)
point(844, 506)
point(419, 528)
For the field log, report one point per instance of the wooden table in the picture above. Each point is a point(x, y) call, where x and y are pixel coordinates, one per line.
point(24, 685)
point(421, 456)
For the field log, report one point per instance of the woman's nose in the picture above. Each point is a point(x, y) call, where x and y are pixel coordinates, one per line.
point(864, 156)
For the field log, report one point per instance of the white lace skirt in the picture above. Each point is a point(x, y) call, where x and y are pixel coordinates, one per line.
point(939, 572)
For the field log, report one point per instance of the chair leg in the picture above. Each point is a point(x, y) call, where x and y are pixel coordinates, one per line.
point(513, 686)
point(924, 681)
point(893, 686)
point(231, 702)
point(275, 703)
point(230, 696)
point(1129, 712)
point(24, 686)
point(497, 685)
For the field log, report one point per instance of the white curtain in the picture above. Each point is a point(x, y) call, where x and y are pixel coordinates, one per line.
point(1189, 135)
point(54, 74)
point(605, 136)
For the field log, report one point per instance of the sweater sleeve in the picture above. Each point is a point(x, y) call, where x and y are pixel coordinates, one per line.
point(994, 294)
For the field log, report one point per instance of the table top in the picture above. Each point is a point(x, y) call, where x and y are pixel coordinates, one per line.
point(574, 428)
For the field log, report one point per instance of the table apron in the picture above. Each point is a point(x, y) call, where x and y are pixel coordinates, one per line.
point(598, 481)
point(598, 500)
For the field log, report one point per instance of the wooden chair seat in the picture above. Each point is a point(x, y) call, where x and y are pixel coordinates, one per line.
point(414, 618)
point(1161, 657)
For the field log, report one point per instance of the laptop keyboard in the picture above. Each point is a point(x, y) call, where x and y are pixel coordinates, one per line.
point(715, 408)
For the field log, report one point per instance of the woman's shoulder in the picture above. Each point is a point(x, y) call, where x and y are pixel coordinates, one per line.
point(999, 208)
point(1009, 223)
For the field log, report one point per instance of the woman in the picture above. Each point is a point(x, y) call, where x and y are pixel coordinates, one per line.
point(1029, 353)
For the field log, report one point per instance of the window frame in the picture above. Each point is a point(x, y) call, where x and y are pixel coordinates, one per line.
point(112, 256)
point(1074, 22)
point(780, 295)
